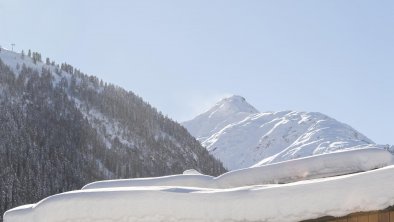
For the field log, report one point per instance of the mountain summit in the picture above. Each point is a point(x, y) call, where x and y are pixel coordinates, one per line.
point(240, 136)
point(232, 105)
point(224, 112)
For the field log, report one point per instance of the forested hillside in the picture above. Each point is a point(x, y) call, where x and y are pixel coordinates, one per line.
point(61, 129)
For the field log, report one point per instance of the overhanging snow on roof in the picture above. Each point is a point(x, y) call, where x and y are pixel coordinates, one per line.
point(296, 201)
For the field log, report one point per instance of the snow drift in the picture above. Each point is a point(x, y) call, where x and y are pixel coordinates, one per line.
point(243, 195)
point(325, 165)
point(337, 196)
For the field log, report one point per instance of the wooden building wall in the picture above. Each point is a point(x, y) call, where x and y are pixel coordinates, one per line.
point(373, 216)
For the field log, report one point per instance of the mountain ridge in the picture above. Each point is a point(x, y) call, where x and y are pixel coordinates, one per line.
point(62, 129)
point(242, 140)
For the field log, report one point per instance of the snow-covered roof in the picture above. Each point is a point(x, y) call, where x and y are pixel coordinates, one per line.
point(155, 199)
point(319, 166)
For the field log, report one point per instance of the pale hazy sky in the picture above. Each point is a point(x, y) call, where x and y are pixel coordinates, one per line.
point(333, 56)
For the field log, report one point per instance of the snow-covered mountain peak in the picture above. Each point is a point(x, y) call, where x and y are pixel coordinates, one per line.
point(226, 111)
point(237, 134)
point(231, 105)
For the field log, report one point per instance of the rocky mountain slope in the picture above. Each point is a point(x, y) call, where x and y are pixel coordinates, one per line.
point(240, 136)
point(61, 129)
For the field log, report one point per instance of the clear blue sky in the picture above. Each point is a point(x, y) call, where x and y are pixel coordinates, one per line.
point(333, 56)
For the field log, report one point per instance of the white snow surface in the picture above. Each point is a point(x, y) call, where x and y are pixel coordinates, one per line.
point(227, 111)
point(191, 172)
point(237, 134)
point(319, 166)
point(156, 200)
